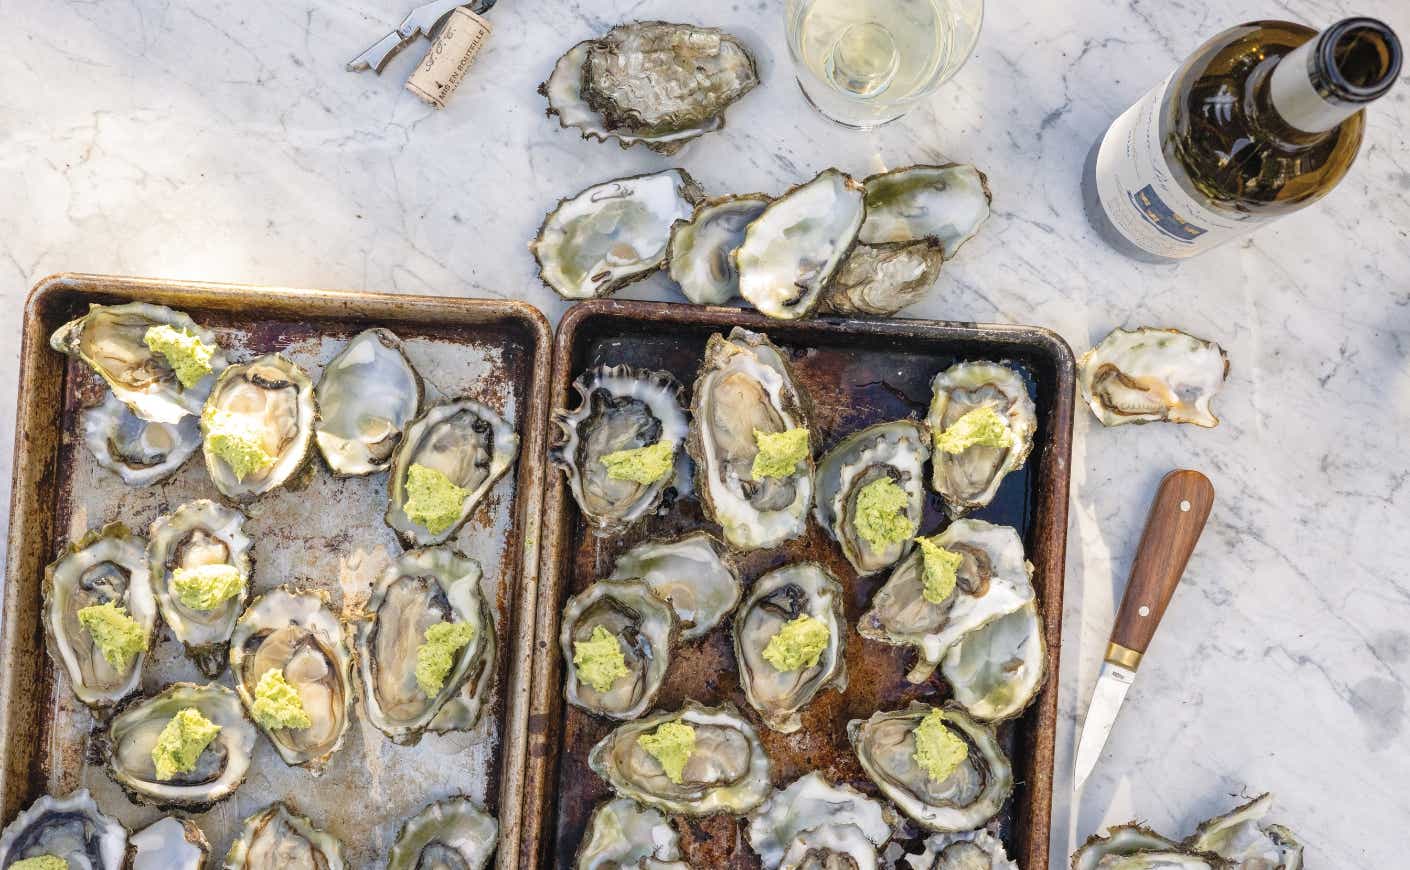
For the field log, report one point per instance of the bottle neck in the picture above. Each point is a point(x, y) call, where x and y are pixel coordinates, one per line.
point(1335, 74)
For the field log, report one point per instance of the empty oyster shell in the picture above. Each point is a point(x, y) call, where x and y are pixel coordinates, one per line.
point(276, 838)
point(880, 280)
point(454, 834)
point(138, 451)
point(971, 477)
point(624, 835)
point(613, 233)
point(1139, 848)
point(1149, 375)
point(792, 250)
point(896, 450)
point(727, 771)
point(170, 844)
point(645, 629)
point(272, 397)
point(701, 251)
point(690, 574)
point(1241, 837)
point(945, 203)
point(367, 395)
point(620, 408)
point(71, 827)
point(105, 566)
point(219, 770)
point(996, 670)
point(811, 804)
point(970, 850)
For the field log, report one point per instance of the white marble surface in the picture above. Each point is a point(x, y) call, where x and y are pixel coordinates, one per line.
point(221, 139)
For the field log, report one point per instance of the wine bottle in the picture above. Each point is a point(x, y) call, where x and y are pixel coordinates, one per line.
point(1261, 120)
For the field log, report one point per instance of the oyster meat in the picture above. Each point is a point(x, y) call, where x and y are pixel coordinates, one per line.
point(823, 821)
point(792, 250)
point(267, 405)
point(170, 843)
point(992, 578)
point(726, 771)
point(970, 850)
point(1241, 837)
point(454, 834)
point(968, 474)
point(782, 596)
point(624, 835)
point(996, 670)
point(105, 568)
point(880, 280)
point(138, 451)
point(620, 408)
point(701, 250)
point(894, 451)
point(220, 768)
point(644, 628)
point(613, 233)
point(1149, 375)
point(422, 589)
point(276, 838)
point(367, 395)
point(72, 828)
point(690, 574)
point(945, 203)
point(1133, 847)
point(195, 536)
point(746, 388)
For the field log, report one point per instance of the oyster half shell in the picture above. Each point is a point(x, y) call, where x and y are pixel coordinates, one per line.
point(139, 451)
point(170, 844)
point(946, 203)
point(276, 838)
point(624, 835)
point(1134, 847)
point(71, 827)
point(969, 850)
point(690, 574)
point(272, 397)
point(971, 478)
point(897, 451)
point(1150, 375)
point(1241, 837)
point(810, 804)
point(367, 395)
point(998, 669)
point(701, 252)
point(645, 629)
point(454, 834)
point(880, 280)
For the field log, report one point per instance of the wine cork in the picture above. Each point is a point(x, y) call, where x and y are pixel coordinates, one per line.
point(439, 74)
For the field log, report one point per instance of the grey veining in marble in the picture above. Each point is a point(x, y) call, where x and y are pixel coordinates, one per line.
point(222, 139)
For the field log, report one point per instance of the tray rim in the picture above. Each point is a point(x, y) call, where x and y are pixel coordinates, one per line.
point(546, 704)
point(31, 536)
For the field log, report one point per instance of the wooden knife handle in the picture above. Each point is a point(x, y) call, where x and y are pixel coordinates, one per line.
point(1176, 519)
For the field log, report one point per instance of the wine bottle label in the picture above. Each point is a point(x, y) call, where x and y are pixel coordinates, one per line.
point(1144, 201)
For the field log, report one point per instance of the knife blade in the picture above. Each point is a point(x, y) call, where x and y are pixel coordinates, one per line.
point(1177, 516)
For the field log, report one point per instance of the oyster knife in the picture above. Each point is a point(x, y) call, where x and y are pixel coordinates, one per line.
point(1177, 517)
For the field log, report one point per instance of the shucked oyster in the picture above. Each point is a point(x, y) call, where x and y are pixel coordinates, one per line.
point(1241, 837)
point(621, 409)
point(643, 628)
point(880, 280)
point(810, 804)
point(613, 233)
point(746, 391)
point(997, 669)
point(624, 835)
point(969, 850)
point(170, 843)
point(701, 253)
point(71, 828)
point(945, 203)
point(366, 397)
point(1148, 375)
point(276, 838)
point(1133, 847)
point(138, 451)
point(690, 574)
point(973, 400)
point(261, 416)
point(452, 834)
point(852, 500)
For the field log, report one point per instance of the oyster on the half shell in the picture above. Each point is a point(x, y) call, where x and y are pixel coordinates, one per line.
point(451, 834)
point(996, 670)
point(969, 850)
point(969, 477)
point(367, 395)
point(644, 627)
point(1241, 837)
point(896, 451)
point(139, 451)
point(276, 838)
point(170, 843)
point(624, 835)
point(880, 280)
point(270, 402)
point(701, 252)
point(72, 828)
point(828, 823)
point(690, 574)
point(1149, 375)
point(1134, 847)
point(945, 203)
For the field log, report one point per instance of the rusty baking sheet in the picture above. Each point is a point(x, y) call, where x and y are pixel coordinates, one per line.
point(858, 372)
point(319, 530)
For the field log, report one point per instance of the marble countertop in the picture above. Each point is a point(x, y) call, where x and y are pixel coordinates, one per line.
point(223, 140)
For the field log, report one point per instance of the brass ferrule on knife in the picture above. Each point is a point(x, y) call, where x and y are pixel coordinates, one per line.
point(1123, 657)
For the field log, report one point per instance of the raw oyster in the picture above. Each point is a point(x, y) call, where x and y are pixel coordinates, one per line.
point(746, 386)
point(624, 835)
point(777, 598)
point(170, 844)
point(945, 203)
point(996, 670)
point(138, 451)
point(690, 574)
point(613, 233)
point(970, 850)
point(620, 408)
point(1133, 847)
point(71, 827)
point(1240, 837)
point(421, 589)
point(109, 338)
point(966, 799)
point(105, 566)
point(971, 477)
point(701, 251)
point(726, 772)
point(993, 579)
point(271, 397)
point(645, 629)
point(792, 250)
point(880, 280)
point(198, 534)
point(465, 441)
point(454, 834)
point(297, 633)
point(219, 770)
point(367, 395)
point(842, 847)
point(1149, 375)
point(276, 838)
point(812, 805)
point(897, 451)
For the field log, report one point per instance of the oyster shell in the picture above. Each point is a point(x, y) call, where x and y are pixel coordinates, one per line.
point(971, 478)
point(71, 827)
point(170, 844)
point(200, 533)
point(690, 574)
point(727, 771)
point(1149, 375)
point(969, 797)
point(297, 633)
point(745, 386)
point(454, 834)
point(1241, 837)
point(276, 838)
point(1139, 848)
point(792, 250)
point(971, 850)
point(624, 835)
point(778, 597)
point(880, 280)
point(421, 589)
point(839, 847)
point(109, 339)
point(367, 395)
point(620, 408)
point(613, 233)
point(896, 450)
point(464, 440)
point(811, 804)
point(645, 628)
point(272, 396)
point(945, 203)
point(219, 770)
point(998, 669)
point(994, 579)
point(138, 451)
point(701, 251)
point(107, 565)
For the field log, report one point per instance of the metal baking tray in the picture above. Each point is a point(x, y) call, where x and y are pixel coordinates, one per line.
point(319, 529)
point(858, 372)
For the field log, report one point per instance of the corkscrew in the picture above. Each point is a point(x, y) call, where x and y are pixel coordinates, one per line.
point(419, 22)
